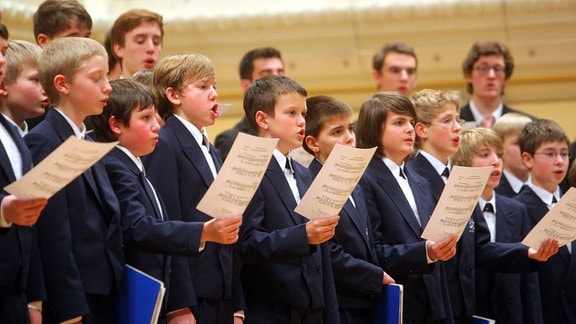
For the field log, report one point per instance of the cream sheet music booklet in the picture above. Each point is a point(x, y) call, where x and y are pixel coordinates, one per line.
point(455, 206)
point(239, 177)
point(335, 182)
point(58, 169)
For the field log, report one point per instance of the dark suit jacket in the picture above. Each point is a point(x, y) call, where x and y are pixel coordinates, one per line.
point(149, 237)
point(401, 251)
point(181, 175)
point(225, 139)
point(20, 266)
point(466, 113)
point(79, 231)
point(474, 250)
point(278, 263)
point(505, 189)
point(558, 274)
point(509, 297)
point(459, 269)
point(357, 276)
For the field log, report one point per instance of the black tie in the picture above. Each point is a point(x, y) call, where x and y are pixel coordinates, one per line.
point(489, 208)
point(288, 165)
point(402, 175)
point(205, 142)
point(554, 200)
point(446, 172)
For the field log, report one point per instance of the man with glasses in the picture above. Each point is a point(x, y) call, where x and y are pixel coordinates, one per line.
point(487, 68)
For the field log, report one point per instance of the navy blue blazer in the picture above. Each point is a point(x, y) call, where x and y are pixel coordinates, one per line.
point(79, 231)
point(474, 250)
point(459, 269)
point(20, 266)
point(509, 297)
point(180, 173)
point(357, 276)
point(557, 275)
point(466, 112)
point(149, 237)
point(400, 249)
point(278, 263)
point(505, 189)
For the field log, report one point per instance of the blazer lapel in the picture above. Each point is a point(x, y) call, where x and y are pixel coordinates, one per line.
point(276, 176)
point(391, 187)
point(191, 149)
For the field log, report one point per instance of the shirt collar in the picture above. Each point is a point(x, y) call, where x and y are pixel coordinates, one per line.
point(280, 158)
point(514, 182)
point(132, 157)
point(543, 194)
point(393, 167)
point(436, 164)
point(21, 131)
point(478, 117)
point(482, 202)
point(79, 133)
point(196, 133)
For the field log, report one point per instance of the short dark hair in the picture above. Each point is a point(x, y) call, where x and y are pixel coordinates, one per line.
point(394, 47)
point(3, 31)
point(53, 16)
point(128, 21)
point(246, 67)
point(486, 48)
point(373, 114)
point(263, 94)
point(320, 109)
point(126, 97)
point(540, 131)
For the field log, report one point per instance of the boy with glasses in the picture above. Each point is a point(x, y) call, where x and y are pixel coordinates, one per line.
point(544, 147)
point(487, 68)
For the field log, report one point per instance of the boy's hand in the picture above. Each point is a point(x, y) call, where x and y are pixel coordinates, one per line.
point(386, 279)
point(222, 230)
point(321, 230)
point(442, 250)
point(547, 249)
point(22, 212)
point(183, 316)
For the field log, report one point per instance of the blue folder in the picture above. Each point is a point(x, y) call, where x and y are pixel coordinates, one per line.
point(141, 298)
point(388, 307)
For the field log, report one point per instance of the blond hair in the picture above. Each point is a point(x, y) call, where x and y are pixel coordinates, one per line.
point(20, 54)
point(65, 56)
point(177, 72)
point(510, 123)
point(472, 141)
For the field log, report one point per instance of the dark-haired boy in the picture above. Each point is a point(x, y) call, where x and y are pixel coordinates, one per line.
point(286, 274)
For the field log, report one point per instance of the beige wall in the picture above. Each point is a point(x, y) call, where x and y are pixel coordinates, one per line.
point(330, 52)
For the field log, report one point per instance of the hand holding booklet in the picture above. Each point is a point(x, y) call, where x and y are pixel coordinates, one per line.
point(457, 202)
point(559, 223)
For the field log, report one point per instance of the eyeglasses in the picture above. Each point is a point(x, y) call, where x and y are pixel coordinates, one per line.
point(485, 69)
point(551, 155)
point(451, 122)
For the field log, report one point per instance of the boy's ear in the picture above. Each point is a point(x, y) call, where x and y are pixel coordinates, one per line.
point(261, 119)
point(42, 40)
point(3, 91)
point(312, 143)
point(118, 50)
point(61, 84)
point(245, 83)
point(114, 125)
point(172, 96)
point(421, 130)
point(527, 159)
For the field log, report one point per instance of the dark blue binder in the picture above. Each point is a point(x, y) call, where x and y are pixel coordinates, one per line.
point(388, 307)
point(141, 298)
